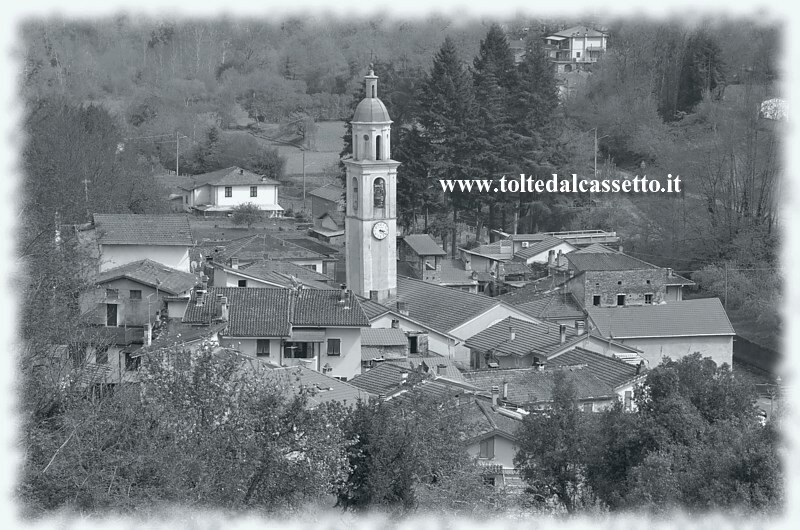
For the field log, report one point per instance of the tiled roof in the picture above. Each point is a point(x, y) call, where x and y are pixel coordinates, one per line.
point(610, 370)
point(310, 243)
point(438, 388)
point(539, 246)
point(498, 251)
point(595, 248)
point(383, 337)
point(514, 267)
point(579, 31)
point(263, 247)
point(373, 309)
point(142, 229)
point(251, 312)
point(231, 176)
point(424, 245)
point(699, 317)
point(380, 380)
point(284, 267)
point(454, 273)
point(482, 419)
point(322, 308)
point(538, 339)
point(529, 385)
point(441, 308)
point(553, 307)
point(606, 261)
point(336, 217)
point(319, 387)
point(431, 364)
point(150, 273)
point(369, 353)
point(533, 291)
point(329, 192)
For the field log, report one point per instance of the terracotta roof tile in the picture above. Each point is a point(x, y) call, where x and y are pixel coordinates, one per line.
point(529, 338)
point(142, 229)
point(424, 245)
point(150, 273)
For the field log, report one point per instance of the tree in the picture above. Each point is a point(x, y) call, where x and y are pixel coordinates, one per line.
point(551, 454)
point(701, 72)
point(246, 213)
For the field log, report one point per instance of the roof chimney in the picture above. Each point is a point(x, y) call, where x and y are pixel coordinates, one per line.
point(562, 329)
point(669, 272)
point(234, 262)
point(440, 369)
point(505, 390)
point(342, 293)
point(495, 395)
point(241, 171)
point(402, 308)
point(223, 308)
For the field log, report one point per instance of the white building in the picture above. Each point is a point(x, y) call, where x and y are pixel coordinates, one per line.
point(222, 190)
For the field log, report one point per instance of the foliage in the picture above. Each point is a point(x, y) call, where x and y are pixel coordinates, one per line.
point(246, 213)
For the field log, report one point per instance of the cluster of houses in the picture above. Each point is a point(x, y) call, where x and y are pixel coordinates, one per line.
point(489, 329)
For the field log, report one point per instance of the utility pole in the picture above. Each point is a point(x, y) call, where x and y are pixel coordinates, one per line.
point(86, 189)
point(595, 153)
point(304, 179)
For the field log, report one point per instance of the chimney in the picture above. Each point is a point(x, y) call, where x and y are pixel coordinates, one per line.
point(495, 395)
point(200, 302)
point(402, 308)
point(234, 262)
point(467, 262)
point(620, 249)
point(505, 390)
point(440, 369)
point(241, 171)
point(562, 329)
point(342, 293)
point(403, 378)
point(551, 258)
point(669, 272)
point(223, 308)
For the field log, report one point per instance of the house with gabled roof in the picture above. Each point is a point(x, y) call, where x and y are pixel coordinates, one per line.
point(491, 438)
point(328, 198)
point(127, 238)
point(219, 192)
point(673, 330)
point(575, 48)
point(542, 252)
point(613, 279)
point(320, 329)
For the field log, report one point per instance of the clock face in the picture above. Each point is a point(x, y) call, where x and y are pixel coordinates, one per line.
point(380, 230)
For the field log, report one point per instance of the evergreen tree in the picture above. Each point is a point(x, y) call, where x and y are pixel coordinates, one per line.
point(448, 115)
point(702, 71)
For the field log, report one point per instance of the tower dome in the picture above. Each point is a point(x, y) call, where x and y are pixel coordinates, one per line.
point(371, 109)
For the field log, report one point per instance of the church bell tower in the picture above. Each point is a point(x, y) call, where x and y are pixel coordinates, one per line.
point(371, 213)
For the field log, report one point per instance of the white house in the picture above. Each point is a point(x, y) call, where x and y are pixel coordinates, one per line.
point(222, 190)
point(128, 238)
point(575, 47)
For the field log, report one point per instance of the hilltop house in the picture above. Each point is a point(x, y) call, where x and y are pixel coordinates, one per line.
point(219, 192)
point(672, 330)
point(128, 238)
point(575, 48)
point(319, 329)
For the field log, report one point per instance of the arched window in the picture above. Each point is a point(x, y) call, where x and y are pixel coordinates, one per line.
point(373, 90)
point(379, 193)
point(367, 153)
point(355, 194)
point(378, 147)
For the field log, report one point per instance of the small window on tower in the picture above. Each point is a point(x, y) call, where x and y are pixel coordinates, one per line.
point(379, 193)
point(378, 147)
point(367, 154)
point(355, 194)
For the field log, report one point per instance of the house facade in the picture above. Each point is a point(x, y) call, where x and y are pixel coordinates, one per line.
point(219, 192)
point(575, 48)
point(127, 238)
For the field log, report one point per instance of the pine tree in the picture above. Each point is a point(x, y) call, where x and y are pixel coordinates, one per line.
point(448, 115)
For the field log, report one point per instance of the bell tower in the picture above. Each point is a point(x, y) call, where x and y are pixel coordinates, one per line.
point(371, 213)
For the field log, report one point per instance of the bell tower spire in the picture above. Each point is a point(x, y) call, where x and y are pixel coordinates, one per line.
point(371, 212)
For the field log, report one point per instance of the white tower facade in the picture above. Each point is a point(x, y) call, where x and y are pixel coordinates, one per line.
point(371, 213)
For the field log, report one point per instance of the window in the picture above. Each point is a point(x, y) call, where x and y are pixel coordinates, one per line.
point(596, 300)
point(334, 346)
point(487, 448)
point(620, 299)
point(378, 147)
point(619, 282)
point(112, 293)
point(587, 407)
point(242, 283)
point(132, 363)
point(355, 194)
point(111, 315)
point(262, 347)
point(488, 481)
point(648, 299)
point(413, 345)
point(297, 350)
point(340, 378)
point(101, 355)
point(577, 55)
point(228, 191)
point(648, 282)
point(254, 191)
point(136, 294)
point(628, 399)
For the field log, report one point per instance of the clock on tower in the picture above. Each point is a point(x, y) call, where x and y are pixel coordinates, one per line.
point(371, 213)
